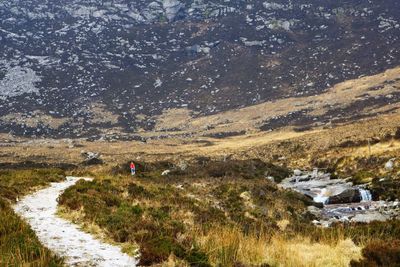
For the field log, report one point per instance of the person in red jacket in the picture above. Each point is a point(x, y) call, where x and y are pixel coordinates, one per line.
point(133, 168)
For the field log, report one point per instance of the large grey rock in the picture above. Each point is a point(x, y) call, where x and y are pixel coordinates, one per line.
point(173, 9)
point(347, 196)
point(297, 172)
point(370, 217)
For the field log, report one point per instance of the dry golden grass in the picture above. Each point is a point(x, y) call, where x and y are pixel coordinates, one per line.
point(228, 245)
point(302, 252)
point(173, 262)
point(376, 149)
point(250, 118)
point(37, 117)
point(173, 119)
point(50, 150)
point(264, 145)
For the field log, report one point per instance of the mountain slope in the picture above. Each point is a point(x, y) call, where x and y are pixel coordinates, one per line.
point(81, 68)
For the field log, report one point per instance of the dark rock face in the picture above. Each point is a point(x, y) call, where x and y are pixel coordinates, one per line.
point(140, 57)
point(347, 196)
point(92, 161)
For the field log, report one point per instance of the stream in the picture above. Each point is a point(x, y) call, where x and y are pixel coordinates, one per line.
point(340, 200)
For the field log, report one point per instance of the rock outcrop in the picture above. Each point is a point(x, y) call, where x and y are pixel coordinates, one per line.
point(340, 201)
point(91, 158)
point(347, 196)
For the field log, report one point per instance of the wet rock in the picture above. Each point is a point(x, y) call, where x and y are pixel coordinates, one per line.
point(303, 178)
point(317, 204)
point(297, 172)
point(314, 210)
point(339, 201)
point(347, 196)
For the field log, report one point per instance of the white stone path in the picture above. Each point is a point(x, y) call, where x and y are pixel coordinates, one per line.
point(64, 238)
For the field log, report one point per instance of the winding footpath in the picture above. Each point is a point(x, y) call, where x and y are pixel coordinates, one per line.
point(64, 238)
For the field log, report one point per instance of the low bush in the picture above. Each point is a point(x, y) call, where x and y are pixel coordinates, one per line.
point(214, 213)
point(14, 183)
point(380, 253)
point(386, 189)
point(151, 226)
point(204, 167)
point(362, 177)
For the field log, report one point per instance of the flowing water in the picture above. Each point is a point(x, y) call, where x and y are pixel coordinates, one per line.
point(351, 203)
point(365, 195)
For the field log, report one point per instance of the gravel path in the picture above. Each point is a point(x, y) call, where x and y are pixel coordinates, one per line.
point(63, 237)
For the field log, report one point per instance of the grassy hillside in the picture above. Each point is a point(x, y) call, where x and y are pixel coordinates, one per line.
point(215, 206)
point(209, 213)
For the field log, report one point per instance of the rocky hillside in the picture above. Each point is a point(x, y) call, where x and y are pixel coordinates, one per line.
point(82, 68)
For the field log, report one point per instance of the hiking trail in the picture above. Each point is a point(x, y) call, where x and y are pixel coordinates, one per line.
point(63, 237)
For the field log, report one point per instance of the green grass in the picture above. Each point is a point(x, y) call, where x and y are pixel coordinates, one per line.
point(362, 177)
point(106, 204)
point(19, 245)
point(154, 212)
point(185, 213)
point(14, 183)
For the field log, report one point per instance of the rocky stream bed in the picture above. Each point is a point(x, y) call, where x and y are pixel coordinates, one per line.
point(340, 200)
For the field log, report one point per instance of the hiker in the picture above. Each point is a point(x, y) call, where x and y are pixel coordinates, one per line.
point(133, 168)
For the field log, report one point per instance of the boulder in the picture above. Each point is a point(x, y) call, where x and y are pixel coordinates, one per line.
point(297, 172)
point(302, 178)
point(389, 165)
point(166, 172)
point(91, 158)
point(89, 154)
point(173, 9)
point(272, 179)
point(370, 217)
point(347, 196)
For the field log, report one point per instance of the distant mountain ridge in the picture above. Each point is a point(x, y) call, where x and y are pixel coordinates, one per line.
point(87, 68)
